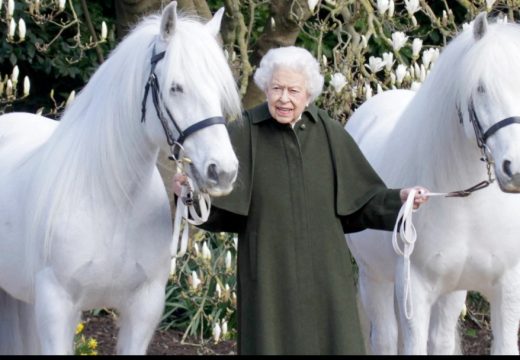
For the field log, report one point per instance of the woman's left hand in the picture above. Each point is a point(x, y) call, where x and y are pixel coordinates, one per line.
point(420, 195)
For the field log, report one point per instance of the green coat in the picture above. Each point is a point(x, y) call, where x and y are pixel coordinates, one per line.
point(298, 191)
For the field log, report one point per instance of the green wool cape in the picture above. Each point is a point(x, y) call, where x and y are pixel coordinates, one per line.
point(299, 190)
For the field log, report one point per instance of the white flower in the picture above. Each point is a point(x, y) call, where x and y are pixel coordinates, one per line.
point(216, 332)
point(398, 40)
point(388, 59)
point(422, 73)
point(338, 81)
point(26, 86)
point(416, 47)
point(379, 89)
point(364, 41)
point(21, 29)
point(70, 99)
point(196, 249)
point(195, 281)
point(489, 4)
point(273, 23)
point(502, 19)
point(465, 26)
point(412, 6)
point(416, 70)
point(444, 17)
point(61, 5)
point(104, 31)
point(382, 6)
point(9, 88)
point(427, 57)
point(463, 312)
point(415, 86)
point(1, 5)
point(368, 91)
point(400, 73)
point(206, 254)
point(218, 290)
point(10, 8)
point(391, 9)
point(224, 327)
point(228, 261)
point(235, 241)
point(312, 4)
point(392, 78)
point(15, 74)
point(375, 64)
point(12, 28)
point(324, 60)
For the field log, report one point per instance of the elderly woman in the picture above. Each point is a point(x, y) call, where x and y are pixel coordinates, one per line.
point(302, 184)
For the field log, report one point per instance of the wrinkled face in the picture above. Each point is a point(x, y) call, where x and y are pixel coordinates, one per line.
point(287, 95)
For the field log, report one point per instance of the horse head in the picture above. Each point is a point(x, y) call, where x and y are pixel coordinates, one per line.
point(490, 110)
point(189, 89)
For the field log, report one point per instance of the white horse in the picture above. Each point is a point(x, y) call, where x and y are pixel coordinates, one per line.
point(467, 109)
point(84, 217)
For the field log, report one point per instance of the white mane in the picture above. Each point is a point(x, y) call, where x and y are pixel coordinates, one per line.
point(463, 65)
point(92, 156)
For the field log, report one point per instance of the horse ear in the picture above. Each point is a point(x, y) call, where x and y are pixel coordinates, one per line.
point(213, 25)
point(480, 26)
point(169, 18)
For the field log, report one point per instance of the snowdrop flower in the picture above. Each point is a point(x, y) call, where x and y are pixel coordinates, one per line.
point(206, 254)
point(416, 70)
point(502, 19)
point(463, 312)
point(216, 332)
point(10, 8)
point(388, 59)
point(415, 86)
point(104, 31)
point(9, 88)
point(427, 57)
point(338, 81)
point(364, 41)
point(375, 64)
point(71, 98)
point(196, 249)
point(465, 26)
point(195, 281)
point(1, 5)
point(224, 327)
point(412, 6)
point(218, 290)
point(235, 241)
point(416, 47)
point(26, 86)
point(422, 73)
point(173, 266)
point(368, 91)
point(391, 8)
point(379, 89)
point(398, 40)
point(228, 261)
point(400, 73)
point(12, 29)
point(15, 74)
point(382, 6)
point(21, 29)
point(61, 5)
point(312, 4)
point(324, 60)
point(489, 4)
point(444, 19)
point(227, 290)
point(392, 78)
point(273, 23)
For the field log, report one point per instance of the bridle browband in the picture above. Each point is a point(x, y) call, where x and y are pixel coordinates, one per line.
point(482, 138)
point(153, 84)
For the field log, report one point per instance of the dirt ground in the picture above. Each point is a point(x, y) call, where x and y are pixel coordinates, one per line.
point(476, 339)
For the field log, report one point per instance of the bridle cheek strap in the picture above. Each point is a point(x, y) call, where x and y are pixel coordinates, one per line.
point(499, 125)
point(199, 126)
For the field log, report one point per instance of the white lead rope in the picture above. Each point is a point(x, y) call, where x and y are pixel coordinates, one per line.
point(408, 235)
point(184, 215)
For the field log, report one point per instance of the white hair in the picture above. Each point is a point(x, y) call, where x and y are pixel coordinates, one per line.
point(294, 58)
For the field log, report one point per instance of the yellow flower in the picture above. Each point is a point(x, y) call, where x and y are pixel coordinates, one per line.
point(79, 328)
point(92, 343)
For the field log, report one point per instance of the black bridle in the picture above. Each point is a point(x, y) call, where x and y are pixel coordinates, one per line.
point(482, 138)
point(153, 84)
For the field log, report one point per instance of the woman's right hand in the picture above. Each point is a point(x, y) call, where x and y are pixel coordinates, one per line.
point(178, 181)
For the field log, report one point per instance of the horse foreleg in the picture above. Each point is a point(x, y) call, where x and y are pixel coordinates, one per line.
point(444, 338)
point(505, 314)
point(413, 308)
point(377, 299)
point(139, 318)
point(56, 315)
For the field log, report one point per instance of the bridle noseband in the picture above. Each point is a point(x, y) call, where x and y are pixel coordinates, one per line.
point(153, 84)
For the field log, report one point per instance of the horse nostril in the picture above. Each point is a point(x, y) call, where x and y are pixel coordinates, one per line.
point(213, 173)
point(506, 166)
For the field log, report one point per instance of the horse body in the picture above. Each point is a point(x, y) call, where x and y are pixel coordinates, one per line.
point(463, 244)
point(84, 216)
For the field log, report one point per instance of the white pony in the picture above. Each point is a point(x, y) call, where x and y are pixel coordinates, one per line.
point(84, 217)
point(467, 109)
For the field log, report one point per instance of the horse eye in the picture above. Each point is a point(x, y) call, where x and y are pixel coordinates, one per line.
point(481, 89)
point(176, 88)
